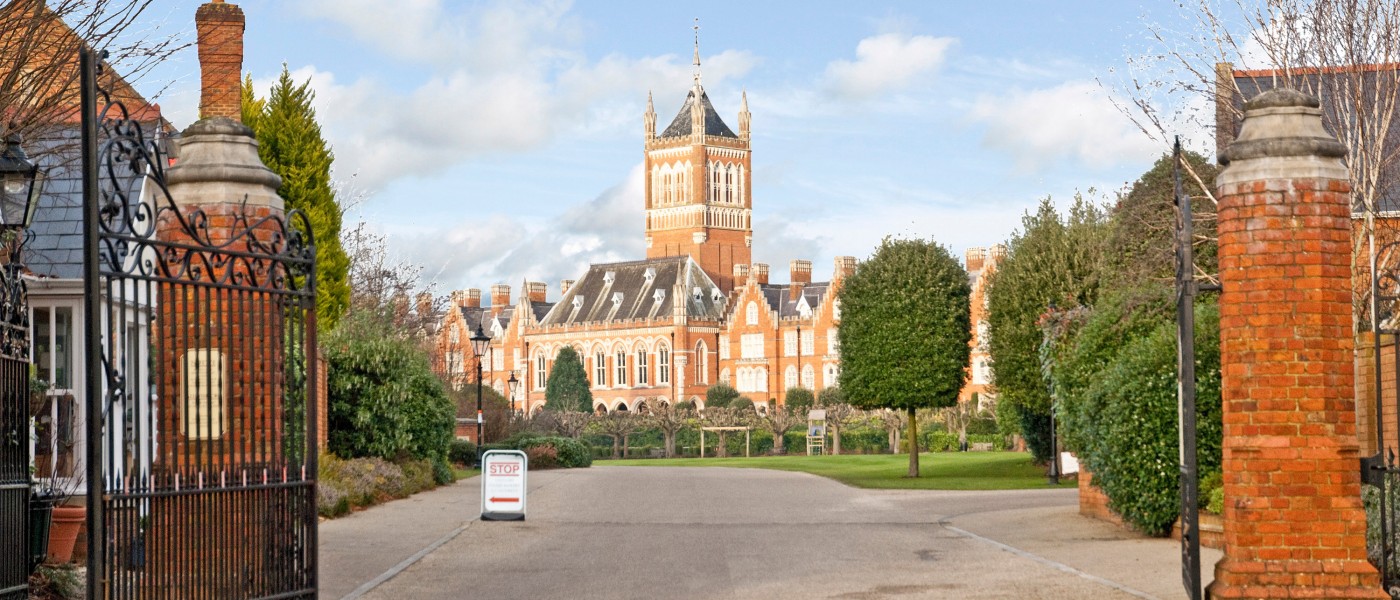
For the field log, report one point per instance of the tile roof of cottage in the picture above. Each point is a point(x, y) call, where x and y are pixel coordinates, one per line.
point(641, 289)
point(680, 126)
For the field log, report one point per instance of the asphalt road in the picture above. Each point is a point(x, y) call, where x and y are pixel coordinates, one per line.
point(702, 533)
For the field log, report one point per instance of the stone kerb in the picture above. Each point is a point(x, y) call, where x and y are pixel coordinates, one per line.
point(1293, 522)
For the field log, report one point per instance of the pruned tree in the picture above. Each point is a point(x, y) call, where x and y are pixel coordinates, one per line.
point(669, 419)
point(568, 387)
point(39, 74)
point(839, 414)
point(725, 416)
point(956, 418)
point(619, 425)
point(905, 328)
point(779, 420)
point(568, 423)
point(893, 422)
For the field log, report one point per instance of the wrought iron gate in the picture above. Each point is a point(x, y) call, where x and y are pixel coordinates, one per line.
point(1380, 474)
point(14, 437)
point(201, 435)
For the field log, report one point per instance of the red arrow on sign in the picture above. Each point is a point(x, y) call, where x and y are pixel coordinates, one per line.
point(505, 499)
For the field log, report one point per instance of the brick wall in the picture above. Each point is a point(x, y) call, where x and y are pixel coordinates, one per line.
point(220, 30)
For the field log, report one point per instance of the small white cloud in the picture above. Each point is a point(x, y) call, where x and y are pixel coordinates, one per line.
point(1072, 121)
point(885, 63)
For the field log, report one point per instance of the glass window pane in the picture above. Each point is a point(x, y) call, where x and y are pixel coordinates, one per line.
point(63, 348)
point(43, 345)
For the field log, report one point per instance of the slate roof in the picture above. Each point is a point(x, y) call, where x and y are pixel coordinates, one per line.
point(779, 297)
point(56, 246)
point(680, 126)
point(622, 291)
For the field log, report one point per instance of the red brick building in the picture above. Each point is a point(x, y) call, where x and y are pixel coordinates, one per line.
point(981, 263)
point(695, 311)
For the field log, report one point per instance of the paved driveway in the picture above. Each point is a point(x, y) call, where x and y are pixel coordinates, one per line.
point(666, 532)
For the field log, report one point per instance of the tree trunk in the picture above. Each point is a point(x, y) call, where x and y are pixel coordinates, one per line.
point(835, 439)
point(617, 446)
point(894, 441)
point(722, 450)
point(913, 444)
point(670, 443)
point(626, 444)
point(778, 447)
point(962, 438)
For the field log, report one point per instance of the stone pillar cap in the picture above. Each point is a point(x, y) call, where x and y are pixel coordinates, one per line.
point(1282, 122)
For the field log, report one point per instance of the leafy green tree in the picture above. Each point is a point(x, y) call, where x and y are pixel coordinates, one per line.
point(384, 399)
point(567, 388)
point(720, 395)
point(799, 399)
point(1051, 260)
point(1142, 226)
point(905, 330)
point(291, 145)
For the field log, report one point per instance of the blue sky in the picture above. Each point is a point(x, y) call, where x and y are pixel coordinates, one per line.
point(495, 142)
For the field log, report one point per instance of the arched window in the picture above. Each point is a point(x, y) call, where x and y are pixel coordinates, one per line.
point(809, 377)
point(601, 408)
point(620, 368)
point(643, 377)
point(724, 376)
point(663, 365)
point(600, 369)
point(760, 379)
point(790, 377)
point(541, 377)
point(751, 313)
point(832, 376)
point(702, 359)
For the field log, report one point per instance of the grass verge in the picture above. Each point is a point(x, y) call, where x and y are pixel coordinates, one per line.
point(937, 471)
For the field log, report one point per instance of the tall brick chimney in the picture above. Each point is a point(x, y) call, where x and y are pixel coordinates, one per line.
point(976, 258)
point(800, 274)
point(760, 273)
point(845, 266)
point(220, 30)
point(500, 296)
point(564, 286)
point(741, 273)
point(472, 299)
point(536, 291)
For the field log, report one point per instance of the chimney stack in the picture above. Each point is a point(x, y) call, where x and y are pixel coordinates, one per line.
point(220, 34)
point(760, 273)
point(741, 273)
point(800, 274)
point(536, 290)
point(565, 285)
point(473, 299)
point(976, 257)
point(845, 266)
point(500, 296)
point(425, 304)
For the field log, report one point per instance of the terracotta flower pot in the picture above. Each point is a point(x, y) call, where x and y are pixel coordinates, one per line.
point(63, 533)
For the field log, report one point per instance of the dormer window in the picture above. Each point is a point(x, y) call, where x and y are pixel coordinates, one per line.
point(697, 293)
point(650, 275)
point(609, 277)
point(658, 295)
point(578, 301)
point(716, 296)
point(617, 299)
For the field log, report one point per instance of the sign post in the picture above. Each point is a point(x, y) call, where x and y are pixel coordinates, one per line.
point(503, 474)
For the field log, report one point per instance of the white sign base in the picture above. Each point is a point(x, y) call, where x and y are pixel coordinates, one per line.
point(503, 474)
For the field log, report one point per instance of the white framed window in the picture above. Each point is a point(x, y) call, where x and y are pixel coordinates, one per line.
point(751, 345)
point(832, 375)
point(620, 368)
point(809, 377)
point(808, 347)
point(541, 377)
point(643, 377)
point(724, 347)
point(724, 376)
point(751, 313)
point(600, 369)
point(702, 363)
point(498, 360)
point(663, 365)
point(789, 343)
point(790, 377)
point(833, 342)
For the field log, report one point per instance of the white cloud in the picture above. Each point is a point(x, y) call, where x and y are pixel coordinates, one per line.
point(1074, 121)
point(501, 249)
point(885, 63)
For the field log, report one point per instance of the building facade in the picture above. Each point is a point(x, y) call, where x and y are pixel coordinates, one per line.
point(981, 263)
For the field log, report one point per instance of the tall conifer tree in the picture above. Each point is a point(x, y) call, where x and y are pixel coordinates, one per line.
point(567, 388)
point(290, 143)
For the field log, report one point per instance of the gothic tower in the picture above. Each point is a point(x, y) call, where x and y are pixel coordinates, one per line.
point(698, 199)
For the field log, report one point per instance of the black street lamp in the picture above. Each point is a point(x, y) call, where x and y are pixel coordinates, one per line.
point(480, 344)
point(21, 182)
point(514, 387)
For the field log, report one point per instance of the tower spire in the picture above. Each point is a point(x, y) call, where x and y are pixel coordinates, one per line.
point(697, 52)
point(744, 115)
point(649, 119)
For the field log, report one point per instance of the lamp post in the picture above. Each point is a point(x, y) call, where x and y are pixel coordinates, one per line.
point(21, 182)
point(514, 387)
point(480, 344)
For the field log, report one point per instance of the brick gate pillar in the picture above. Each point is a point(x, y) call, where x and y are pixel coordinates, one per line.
point(1294, 526)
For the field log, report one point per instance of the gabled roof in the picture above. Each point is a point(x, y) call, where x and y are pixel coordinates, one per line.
point(643, 289)
point(680, 126)
point(56, 248)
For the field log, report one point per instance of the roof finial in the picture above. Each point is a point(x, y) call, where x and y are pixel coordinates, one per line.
point(697, 51)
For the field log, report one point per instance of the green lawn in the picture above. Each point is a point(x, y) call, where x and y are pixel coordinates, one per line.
point(937, 471)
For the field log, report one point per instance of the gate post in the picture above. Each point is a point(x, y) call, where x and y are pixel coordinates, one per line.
point(1294, 525)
